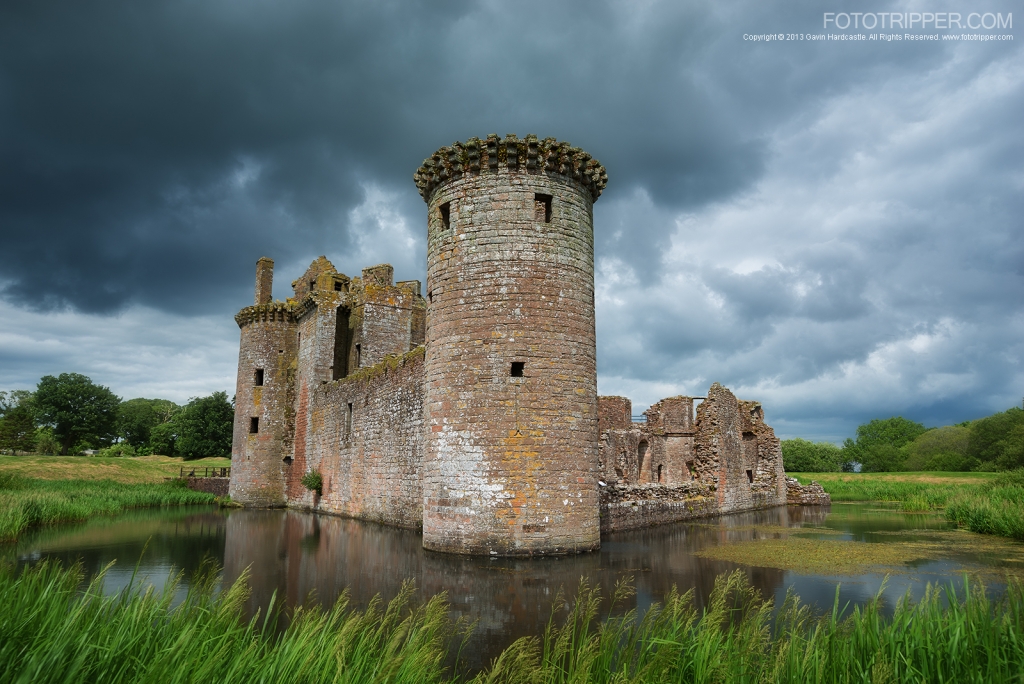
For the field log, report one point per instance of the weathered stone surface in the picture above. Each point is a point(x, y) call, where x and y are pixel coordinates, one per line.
point(210, 485)
point(511, 460)
point(631, 507)
point(812, 494)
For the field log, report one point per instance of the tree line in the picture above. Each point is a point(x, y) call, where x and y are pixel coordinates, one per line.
point(69, 414)
point(992, 443)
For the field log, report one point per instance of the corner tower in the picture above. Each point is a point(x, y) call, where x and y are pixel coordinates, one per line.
point(263, 395)
point(511, 379)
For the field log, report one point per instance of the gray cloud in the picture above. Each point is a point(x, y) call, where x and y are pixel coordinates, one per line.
point(787, 218)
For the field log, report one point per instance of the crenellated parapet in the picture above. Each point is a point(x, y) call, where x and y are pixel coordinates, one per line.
point(283, 312)
point(513, 154)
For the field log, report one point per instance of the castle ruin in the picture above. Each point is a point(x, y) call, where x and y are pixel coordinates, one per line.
point(472, 412)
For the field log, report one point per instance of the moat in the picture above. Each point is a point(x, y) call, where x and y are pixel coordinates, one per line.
point(299, 555)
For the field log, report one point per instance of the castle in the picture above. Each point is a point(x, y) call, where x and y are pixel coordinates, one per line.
point(472, 413)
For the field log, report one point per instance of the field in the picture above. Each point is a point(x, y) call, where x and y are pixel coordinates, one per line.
point(45, 490)
point(135, 470)
point(989, 503)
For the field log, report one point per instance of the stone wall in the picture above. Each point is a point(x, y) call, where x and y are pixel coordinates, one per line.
point(626, 508)
point(812, 494)
point(210, 485)
point(365, 437)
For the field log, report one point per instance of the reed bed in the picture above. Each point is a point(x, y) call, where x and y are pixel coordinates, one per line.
point(26, 502)
point(946, 637)
point(53, 630)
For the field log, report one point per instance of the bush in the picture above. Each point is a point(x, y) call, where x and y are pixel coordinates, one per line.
point(313, 481)
point(118, 450)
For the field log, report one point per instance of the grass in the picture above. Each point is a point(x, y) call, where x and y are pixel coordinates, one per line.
point(52, 630)
point(26, 502)
point(988, 503)
point(135, 470)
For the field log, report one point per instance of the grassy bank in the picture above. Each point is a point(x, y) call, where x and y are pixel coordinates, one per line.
point(135, 470)
point(50, 630)
point(26, 502)
point(988, 503)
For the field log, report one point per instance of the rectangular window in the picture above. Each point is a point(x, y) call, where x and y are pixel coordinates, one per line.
point(312, 284)
point(258, 379)
point(750, 476)
point(517, 369)
point(337, 286)
point(254, 425)
point(359, 356)
point(348, 421)
point(542, 208)
point(446, 215)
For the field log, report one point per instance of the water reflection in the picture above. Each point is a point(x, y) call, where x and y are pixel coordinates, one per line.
point(299, 555)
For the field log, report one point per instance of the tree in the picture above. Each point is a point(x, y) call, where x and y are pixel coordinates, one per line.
point(802, 456)
point(881, 443)
point(17, 430)
point(988, 435)
point(76, 409)
point(943, 448)
point(204, 427)
point(136, 419)
point(15, 398)
point(162, 438)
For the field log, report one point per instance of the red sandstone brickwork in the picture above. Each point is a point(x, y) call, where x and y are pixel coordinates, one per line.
point(738, 452)
point(511, 462)
point(268, 342)
point(614, 413)
point(369, 458)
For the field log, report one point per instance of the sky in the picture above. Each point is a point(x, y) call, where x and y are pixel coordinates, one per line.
point(831, 226)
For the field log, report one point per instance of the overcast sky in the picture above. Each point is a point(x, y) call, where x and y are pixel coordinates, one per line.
point(833, 228)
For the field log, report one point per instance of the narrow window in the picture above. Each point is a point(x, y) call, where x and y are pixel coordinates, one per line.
point(750, 476)
point(542, 208)
point(517, 369)
point(446, 215)
point(693, 470)
point(430, 296)
point(337, 286)
point(359, 355)
point(312, 285)
point(348, 421)
point(254, 425)
point(258, 379)
point(659, 474)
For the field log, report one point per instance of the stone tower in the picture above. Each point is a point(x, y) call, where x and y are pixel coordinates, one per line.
point(263, 396)
point(511, 381)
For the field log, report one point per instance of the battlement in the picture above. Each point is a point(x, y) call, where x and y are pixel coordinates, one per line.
point(283, 312)
point(527, 155)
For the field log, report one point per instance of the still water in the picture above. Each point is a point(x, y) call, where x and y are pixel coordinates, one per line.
point(301, 555)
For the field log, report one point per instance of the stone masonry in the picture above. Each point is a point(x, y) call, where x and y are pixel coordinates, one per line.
point(472, 412)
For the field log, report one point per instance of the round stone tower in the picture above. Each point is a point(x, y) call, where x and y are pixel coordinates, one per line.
point(263, 396)
point(511, 379)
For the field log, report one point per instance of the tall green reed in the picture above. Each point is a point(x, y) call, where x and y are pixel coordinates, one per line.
point(53, 630)
point(26, 502)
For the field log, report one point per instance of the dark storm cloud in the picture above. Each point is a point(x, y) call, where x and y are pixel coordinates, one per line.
point(152, 151)
point(833, 228)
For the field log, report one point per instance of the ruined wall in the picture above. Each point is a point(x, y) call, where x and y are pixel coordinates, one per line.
point(365, 437)
point(614, 413)
point(738, 453)
point(631, 507)
point(511, 460)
